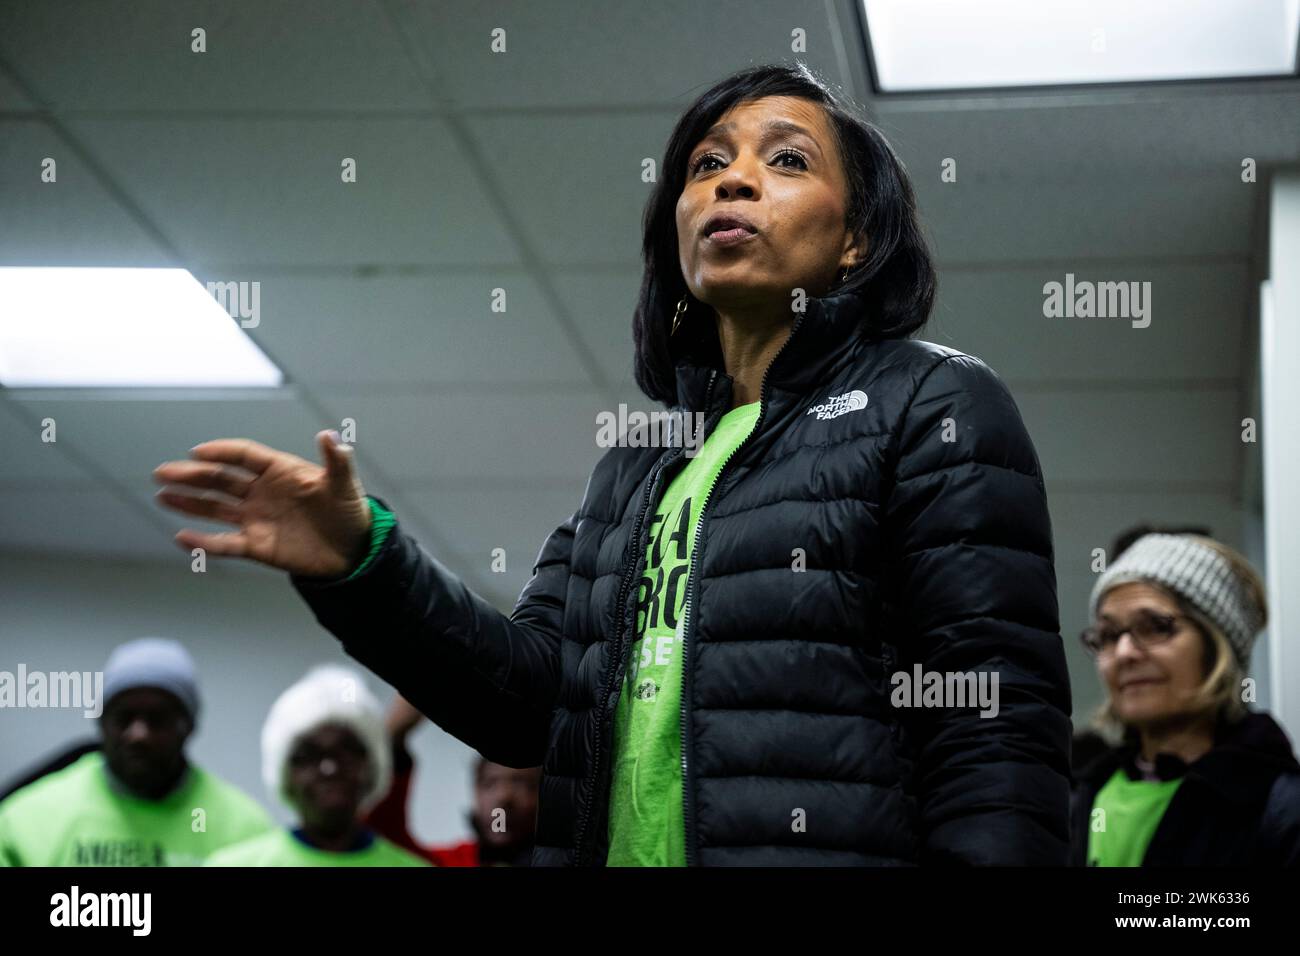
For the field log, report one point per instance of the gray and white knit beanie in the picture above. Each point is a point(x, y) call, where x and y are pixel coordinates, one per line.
point(329, 694)
point(1199, 575)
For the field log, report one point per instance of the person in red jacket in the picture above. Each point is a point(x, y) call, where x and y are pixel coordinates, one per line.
point(503, 817)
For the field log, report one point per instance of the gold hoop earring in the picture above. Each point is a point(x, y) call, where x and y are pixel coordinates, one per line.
point(677, 316)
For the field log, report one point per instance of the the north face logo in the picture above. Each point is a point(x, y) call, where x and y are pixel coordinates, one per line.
point(837, 405)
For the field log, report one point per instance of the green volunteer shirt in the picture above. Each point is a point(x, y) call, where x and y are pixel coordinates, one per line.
point(1133, 810)
point(645, 809)
point(76, 817)
point(280, 847)
point(645, 819)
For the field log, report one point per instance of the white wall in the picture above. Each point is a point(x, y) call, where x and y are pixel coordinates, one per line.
point(1280, 356)
point(250, 635)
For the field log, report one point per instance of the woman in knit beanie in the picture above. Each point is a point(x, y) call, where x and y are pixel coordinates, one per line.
point(1197, 778)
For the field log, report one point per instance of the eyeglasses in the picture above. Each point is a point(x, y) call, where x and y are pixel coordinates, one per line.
point(346, 755)
point(1147, 629)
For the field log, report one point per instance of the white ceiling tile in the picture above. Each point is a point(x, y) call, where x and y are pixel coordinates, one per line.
point(409, 331)
point(603, 305)
point(128, 437)
point(28, 458)
point(269, 191)
point(472, 519)
point(82, 522)
point(136, 55)
point(592, 53)
point(12, 99)
point(574, 182)
point(479, 516)
point(1164, 132)
point(72, 221)
point(1113, 217)
point(493, 432)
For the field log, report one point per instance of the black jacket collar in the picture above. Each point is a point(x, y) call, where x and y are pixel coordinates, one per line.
point(1222, 814)
point(828, 328)
point(1246, 756)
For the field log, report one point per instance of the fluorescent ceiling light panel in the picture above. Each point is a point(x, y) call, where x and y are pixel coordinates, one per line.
point(963, 44)
point(121, 328)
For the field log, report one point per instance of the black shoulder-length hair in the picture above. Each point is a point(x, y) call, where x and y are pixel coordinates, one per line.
point(897, 279)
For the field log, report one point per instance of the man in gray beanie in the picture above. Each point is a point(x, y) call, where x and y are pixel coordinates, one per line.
point(138, 801)
point(154, 678)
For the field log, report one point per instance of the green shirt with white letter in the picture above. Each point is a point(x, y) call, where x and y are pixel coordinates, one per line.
point(77, 817)
point(646, 827)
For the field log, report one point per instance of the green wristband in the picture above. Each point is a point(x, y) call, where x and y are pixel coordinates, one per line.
point(381, 523)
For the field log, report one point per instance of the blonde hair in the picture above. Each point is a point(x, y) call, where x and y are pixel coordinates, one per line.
point(1219, 694)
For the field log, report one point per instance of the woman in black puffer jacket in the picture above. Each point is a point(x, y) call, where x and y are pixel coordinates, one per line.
point(814, 622)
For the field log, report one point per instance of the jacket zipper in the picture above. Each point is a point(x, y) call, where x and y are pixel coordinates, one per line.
point(688, 795)
point(620, 613)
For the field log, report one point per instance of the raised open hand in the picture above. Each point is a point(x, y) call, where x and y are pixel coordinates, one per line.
point(290, 513)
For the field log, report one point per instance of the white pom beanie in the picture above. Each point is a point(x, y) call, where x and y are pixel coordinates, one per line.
point(329, 694)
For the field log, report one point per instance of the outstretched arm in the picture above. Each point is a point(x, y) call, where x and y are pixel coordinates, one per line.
point(487, 679)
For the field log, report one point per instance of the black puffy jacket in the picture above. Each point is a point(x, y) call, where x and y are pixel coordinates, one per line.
point(1238, 804)
point(923, 524)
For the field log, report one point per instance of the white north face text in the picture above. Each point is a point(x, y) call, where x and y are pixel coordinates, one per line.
point(837, 405)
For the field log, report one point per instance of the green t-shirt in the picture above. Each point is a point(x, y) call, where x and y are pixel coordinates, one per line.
point(645, 810)
point(1132, 812)
point(280, 847)
point(75, 817)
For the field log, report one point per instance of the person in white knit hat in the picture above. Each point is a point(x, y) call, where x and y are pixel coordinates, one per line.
point(1198, 777)
point(325, 754)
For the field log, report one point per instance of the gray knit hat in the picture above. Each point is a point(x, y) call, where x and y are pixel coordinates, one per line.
point(153, 662)
point(1199, 575)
